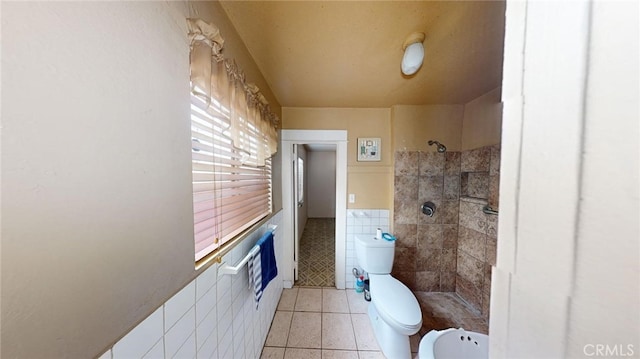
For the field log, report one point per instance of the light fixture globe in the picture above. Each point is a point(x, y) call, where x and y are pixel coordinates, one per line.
point(413, 53)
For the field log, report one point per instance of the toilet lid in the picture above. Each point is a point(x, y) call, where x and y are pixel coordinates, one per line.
point(395, 302)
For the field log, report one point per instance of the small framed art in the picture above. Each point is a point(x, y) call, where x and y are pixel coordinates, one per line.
point(369, 149)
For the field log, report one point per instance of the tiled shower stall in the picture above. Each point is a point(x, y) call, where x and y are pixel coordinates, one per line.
point(453, 251)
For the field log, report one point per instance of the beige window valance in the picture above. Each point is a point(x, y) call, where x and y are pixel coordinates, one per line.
point(216, 79)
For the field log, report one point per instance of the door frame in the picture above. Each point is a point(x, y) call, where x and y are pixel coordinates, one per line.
point(301, 137)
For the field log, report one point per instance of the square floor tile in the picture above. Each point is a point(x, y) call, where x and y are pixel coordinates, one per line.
point(337, 331)
point(305, 330)
point(357, 304)
point(334, 301)
point(295, 353)
point(288, 299)
point(370, 355)
point(279, 331)
point(272, 353)
point(365, 337)
point(339, 354)
point(309, 300)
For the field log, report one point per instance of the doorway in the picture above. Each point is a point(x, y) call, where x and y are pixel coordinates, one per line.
point(316, 186)
point(294, 142)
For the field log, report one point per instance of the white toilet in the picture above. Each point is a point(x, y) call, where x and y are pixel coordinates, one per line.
point(394, 311)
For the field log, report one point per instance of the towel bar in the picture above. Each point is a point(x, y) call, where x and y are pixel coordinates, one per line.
point(227, 269)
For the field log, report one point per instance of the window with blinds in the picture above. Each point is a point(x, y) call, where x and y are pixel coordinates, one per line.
point(230, 191)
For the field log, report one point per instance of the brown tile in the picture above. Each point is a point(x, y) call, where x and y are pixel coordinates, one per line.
point(494, 166)
point(430, 235)
point(404, 259)
point(452, 163)
point(476, 160)
point(451, 187)
point(470, 269)
point(467, 291)
point(477, 185)
point(448, 281)
point(486, 285)
point(478, 325)
point(445, 305)
point(428, 281)
point(405, 188)
point(464, 184)
point(430, 188)
point(472, 242)
point(431, 164)
point(406, 163)
point(450, 235)
point(490, 251)
point(449, 259)
point(486, 304)
point(406, 235)
point(408, 278)
point(471, 216)
point(449, 211)
point(405, 212)
point(494, 191)
point(424, 219)
point(428, 259)
point(492, 225)
point(434, 323)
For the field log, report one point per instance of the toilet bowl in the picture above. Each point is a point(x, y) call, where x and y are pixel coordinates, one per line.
point(395, 315)
point(394, 311)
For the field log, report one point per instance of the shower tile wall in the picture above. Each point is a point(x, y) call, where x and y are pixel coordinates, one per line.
point(453, 251)
point(426, 247)
point(477, 231)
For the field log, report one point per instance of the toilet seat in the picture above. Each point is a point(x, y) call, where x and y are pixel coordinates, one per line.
point(395, 303)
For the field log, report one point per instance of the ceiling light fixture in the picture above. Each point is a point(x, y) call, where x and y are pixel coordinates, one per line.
point(413, 53)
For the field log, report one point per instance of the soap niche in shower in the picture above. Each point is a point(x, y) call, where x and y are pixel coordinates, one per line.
point(474, 184)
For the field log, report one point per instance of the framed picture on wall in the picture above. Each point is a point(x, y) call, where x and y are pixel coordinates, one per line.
point(369, 149)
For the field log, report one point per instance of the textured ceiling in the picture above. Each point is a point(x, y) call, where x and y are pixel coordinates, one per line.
point(348, 53)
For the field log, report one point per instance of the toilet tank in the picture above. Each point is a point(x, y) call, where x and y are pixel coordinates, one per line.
point(375, 256)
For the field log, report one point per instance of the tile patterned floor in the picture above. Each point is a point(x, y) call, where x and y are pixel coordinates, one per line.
point(327, 323)
point(316, 265)
point(322, 323)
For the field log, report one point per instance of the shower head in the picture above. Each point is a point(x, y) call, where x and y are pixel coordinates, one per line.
point(441, 148)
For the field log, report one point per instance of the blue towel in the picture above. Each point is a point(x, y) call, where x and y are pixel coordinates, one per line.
point(267, 259)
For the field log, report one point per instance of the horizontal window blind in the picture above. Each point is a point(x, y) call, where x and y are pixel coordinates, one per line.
point(230, 192)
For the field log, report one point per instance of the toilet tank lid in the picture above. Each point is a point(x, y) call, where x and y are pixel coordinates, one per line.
point(369, 240)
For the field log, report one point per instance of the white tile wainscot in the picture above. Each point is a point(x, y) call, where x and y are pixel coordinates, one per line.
point(361, 221)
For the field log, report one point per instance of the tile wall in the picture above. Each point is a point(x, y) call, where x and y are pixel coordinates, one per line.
point(361, 221)
point(477, 231)
point(213, 316)
point(426, 248)
point(453, 251)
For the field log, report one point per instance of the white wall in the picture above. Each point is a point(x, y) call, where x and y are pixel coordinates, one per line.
point(568, 270)
point(97, 224)
point(482, 121)
point(321, 184)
